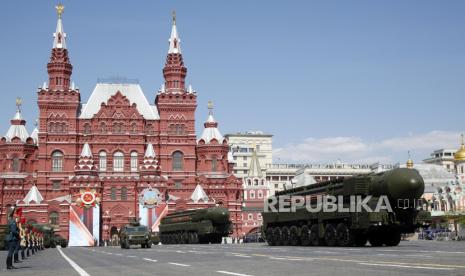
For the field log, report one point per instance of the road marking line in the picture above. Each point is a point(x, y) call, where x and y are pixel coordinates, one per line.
point(179, 251)
point(233, 273)
point(178, 264)
point(118, 254)
point(150, 260)
point(241, 255)
point(131, 256)
point(408, 266)
point(76, 267)
point(449, 266)
point(286, 259)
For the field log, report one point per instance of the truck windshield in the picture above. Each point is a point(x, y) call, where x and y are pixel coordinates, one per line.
point(137, 229)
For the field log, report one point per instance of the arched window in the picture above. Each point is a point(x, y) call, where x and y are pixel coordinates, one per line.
point(53, 218)
point(178, 161)
point(118, 161)
point(134, 162)
point(250, 217)
point(255, 182)
point(149, 129)
point(113, 193)
point(86, 128)
point(102, 156)
point(252, 194)
point(124, 193)
point(214, 164)
point(15, 166)
point(260, 194)
point(134, 128)
point(57, 161)
point(249, 182)
point(103, 128)
point(118, 128)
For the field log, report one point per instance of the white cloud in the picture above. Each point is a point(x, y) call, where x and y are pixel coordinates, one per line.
point(357, 150)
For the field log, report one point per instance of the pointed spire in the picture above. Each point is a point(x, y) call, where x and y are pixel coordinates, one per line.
point(35, 133)
point(85, 165)
point(86, 151)
point(59, 67)
point(174, 41)
point(255, 170)
point(150, 152)
point(33, 196)
point(150, 164)
point(17, 127)
point(59, 40)
point(211, 130)
point(199, 194)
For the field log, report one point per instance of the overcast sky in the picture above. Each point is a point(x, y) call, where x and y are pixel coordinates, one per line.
point(359, 81)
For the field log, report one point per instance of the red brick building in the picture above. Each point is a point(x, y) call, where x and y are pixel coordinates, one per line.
point(114, 150)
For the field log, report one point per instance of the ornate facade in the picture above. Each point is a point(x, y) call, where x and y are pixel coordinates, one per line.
point(116, 147)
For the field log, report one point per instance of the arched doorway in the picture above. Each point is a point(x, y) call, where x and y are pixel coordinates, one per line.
point(254, 235)
point(114, 236)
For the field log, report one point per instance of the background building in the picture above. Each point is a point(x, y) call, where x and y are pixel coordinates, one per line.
point(242, 146)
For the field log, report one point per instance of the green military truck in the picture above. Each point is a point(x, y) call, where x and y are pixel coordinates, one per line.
point(133, 234)
point(402, 187)
point(207, 225)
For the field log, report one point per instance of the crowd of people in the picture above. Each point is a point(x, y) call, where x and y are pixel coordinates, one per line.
point(21, 238)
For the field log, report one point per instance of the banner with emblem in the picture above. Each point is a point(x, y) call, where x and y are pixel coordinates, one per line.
point(84, 218)
point(151, 208)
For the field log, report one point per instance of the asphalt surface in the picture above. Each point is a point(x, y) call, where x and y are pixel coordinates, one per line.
point(409, 258)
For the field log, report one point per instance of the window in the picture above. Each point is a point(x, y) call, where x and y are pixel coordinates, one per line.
point(178, 161)
point(134, 161)
point(57, 161)
point(118, 161)
point(149, 129)
point(86, 129)
point(134, 128)
point(56, 185)
point(118, 128)
point(16, 164)
point(259, 216)
point(252, 194)
point(103, 128)
point(102, 157)
point(257, 147)
point(113, 193)
point(260, 194)
point(124, 193)
point(214, 164)
point(250, 217)
point(53, 218)
point(178, 184)
point(244, 158)
point(244, 165)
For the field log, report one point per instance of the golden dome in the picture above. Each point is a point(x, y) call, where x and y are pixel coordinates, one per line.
point(460, 153)
point(409, 164)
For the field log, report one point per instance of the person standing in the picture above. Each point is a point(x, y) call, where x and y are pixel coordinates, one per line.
point(22, 232)
point(11, 239)
point(18, 214)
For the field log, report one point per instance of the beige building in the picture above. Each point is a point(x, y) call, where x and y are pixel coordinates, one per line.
point(242, 145)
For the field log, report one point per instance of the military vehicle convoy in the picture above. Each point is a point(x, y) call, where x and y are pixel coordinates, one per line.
point(208, 225)
point(134, 234)
point(402, 186)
